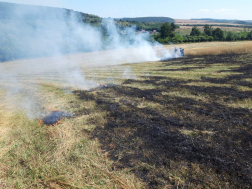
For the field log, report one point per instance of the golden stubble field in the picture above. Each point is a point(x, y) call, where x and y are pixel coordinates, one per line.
point(186, 30)
point(194, 22)
point(186, 26)
point(180, 123)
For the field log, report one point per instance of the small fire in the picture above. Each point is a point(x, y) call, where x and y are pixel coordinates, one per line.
point(53, 118)
point(58, 122)
point(41, 122)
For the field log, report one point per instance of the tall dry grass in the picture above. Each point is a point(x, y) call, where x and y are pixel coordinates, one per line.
point(239, 48)
point(63, 156)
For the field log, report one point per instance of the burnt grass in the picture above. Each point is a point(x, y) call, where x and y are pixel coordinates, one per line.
point(176, 141)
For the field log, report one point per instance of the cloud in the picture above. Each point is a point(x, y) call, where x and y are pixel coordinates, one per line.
point(226, 11)
point(204, 10)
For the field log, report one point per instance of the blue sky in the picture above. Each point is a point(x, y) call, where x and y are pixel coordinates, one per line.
point(180, 9)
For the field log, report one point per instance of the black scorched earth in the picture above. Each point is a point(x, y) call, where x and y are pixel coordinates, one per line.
point(174, 140)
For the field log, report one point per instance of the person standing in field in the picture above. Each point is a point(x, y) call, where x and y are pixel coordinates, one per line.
point(181, 51)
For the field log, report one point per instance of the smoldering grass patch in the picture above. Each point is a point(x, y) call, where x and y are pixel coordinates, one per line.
point(48, 156)
point(54, 118)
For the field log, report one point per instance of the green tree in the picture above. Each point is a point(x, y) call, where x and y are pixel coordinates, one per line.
point(230, 36)
point(210, 38)
point(166, 30)
point(249, 36)
point(190, 39)
point(173, 26)
point(178, 38)
point(208, 30)
point(203, 38)
point(185, 39)
point(218, 34)
point(195, 31)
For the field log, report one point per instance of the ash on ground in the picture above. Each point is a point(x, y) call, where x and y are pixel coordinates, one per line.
point(54, 117)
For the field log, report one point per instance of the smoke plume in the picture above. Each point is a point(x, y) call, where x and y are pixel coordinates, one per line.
point(49, 44)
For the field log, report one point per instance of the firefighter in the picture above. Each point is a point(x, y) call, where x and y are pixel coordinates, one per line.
point(175, 50)
point(181, 51)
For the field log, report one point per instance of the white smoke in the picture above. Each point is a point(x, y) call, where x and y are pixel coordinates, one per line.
point(55, 37)
point(128, 74)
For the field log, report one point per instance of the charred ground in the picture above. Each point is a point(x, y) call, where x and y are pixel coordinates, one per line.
point(187, 124)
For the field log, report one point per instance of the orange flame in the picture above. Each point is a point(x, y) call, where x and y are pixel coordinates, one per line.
point(42, 123)
point(58, 122)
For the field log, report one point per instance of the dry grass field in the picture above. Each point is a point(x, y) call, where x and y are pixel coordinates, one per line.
point(186, 30)
point(216, 48)
point(179, 123)
point(193, 22)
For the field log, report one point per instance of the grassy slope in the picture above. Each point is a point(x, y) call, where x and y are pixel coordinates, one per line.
point(178, 123)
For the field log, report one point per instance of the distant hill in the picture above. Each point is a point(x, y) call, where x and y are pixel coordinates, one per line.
point(29, 31)
point(40, 13)
point(148, 19)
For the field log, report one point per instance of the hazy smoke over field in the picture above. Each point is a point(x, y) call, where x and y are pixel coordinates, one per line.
point(31, 32)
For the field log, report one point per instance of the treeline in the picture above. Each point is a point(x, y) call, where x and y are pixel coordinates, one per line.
point(144, 23)
point(167, 35)
point(147, 26)
point(147, 19)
